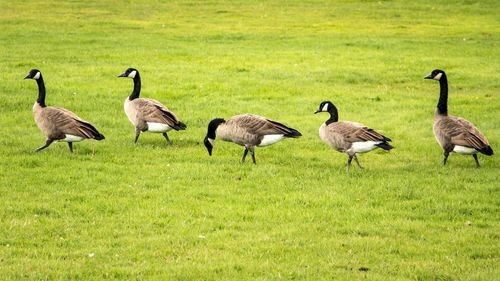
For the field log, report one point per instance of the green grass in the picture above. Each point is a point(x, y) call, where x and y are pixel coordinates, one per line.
point(119, 211)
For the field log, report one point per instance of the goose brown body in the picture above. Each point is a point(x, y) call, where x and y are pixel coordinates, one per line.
point(142, 111)
point(455, 132)
point(63, 125)
point(342, 135)
point(251, 130)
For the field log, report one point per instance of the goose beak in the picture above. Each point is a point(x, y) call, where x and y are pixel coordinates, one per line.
point(428, 76)
point(27, 77)
point(124, 74)
point(317, 111)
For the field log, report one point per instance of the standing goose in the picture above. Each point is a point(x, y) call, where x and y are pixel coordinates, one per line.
point(455, 134)
point(148, 114)
point(59, 124)
point(349, 137)
point(248, 130)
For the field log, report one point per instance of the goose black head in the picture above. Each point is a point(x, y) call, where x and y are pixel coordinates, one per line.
point(130, 73)
point(325, 106)
point(210, 137)
point(34, 74)
point(436, 74)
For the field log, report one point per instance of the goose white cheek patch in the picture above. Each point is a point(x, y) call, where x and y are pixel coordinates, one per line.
point(211, 141)
point(132, 74)
point(437, 77)
point(37, 76)
point(325, 107)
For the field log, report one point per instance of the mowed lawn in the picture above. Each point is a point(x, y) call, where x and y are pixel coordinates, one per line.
point(151, 211)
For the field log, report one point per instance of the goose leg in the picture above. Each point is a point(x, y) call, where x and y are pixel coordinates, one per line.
point(446, 154)
point(47, 143)
point(70, 144)
point(349, 162)
point(477, 161)
point(137, 133)
point(244, 155)
point(357, 162)
point(166, 137)
point(252, 152)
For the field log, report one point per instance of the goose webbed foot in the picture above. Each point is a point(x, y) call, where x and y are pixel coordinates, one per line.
point(167, 138)
point(47, 143)
point(477, 160)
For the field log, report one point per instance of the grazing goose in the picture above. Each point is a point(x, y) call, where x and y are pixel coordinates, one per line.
point(455, 134)
point(59, 124)
point(349, 137)
point(248, 130)
point(148, 114)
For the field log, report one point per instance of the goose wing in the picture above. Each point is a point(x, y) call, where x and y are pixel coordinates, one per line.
point(258, 125)
point(151, 110)
point(464, 133)
point(356, 132)
point(65, 122)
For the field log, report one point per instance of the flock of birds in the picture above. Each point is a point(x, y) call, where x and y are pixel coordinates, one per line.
point(454, 134)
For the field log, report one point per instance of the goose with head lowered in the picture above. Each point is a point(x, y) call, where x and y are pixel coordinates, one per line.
point(455, 134)
point(148, 115)
point(59, 124)
point(247, 130)
point(349, 137)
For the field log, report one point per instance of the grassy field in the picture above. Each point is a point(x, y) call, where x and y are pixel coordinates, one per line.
point(119, 211)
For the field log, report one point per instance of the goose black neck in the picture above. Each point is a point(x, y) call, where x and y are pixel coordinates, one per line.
point(41, 91)
point(443, 96)
point(137, 87)
point(334, 115)
point(212, 127)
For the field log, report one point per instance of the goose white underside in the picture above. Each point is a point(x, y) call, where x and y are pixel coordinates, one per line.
point(270, 139)
point(72, 138)
point(363, 146)
point(464, 150)
point(158, 127)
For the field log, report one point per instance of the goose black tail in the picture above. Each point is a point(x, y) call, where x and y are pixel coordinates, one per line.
point(293, 133)
point(487, 151)
point(99, 136)
point(90, 131)
point(385, 146)
point(179, 126)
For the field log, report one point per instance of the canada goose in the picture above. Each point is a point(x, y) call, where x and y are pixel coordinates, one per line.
point(248, 130)
point(455, 134)
point(349, 137)
point(59, 124)
point(148, 114)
